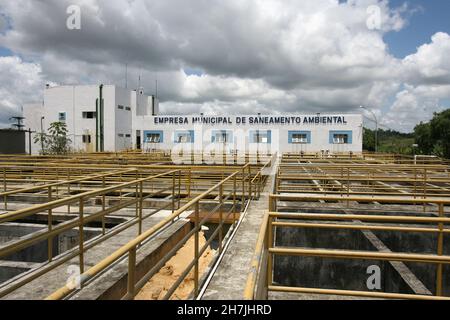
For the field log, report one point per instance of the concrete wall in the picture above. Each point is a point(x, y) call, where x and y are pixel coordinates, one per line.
point(38, 252)
point(420, 243)
point(12, 142)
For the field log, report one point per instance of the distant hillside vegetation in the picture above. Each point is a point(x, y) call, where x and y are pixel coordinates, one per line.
point(389, 141)
point(432, 138)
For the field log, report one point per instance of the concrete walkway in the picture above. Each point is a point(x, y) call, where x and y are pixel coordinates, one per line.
point(228, 282)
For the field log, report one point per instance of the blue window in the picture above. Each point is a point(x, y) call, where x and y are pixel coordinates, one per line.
point(260, 136)
point(184, 136)
point(341, 137)
point(62, 116)
point(299, 137)
point(153, 136)
point(222, 136)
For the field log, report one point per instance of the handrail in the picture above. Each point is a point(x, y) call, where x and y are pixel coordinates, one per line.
point(266, 245)
point(80, 221)
point(10, 216)
point(130, 247)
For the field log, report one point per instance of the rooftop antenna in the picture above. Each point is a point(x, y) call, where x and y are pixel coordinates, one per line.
point(19, 125)
point(126, 75)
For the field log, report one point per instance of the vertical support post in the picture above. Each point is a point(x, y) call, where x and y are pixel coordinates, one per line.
point(440, 251)
point(249, 182)
point(220, 218)
point(68, 189)
point(425, 178)
point(348, 186)
point(120, 191)
point(234, 198)
point(57, 180)
point(141, 203)
point(196, 245)
point(179, 189)
point(243, 190)
point(81, 234)
point(50, 222)
point(103, 207)
point(189, 182)
point(415, 183)
point(4, 190)
point(173, 192)
point(131, 273)
point(269, 255)
point(272, 204)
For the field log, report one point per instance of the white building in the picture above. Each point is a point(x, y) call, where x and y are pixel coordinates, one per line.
point(130, 119)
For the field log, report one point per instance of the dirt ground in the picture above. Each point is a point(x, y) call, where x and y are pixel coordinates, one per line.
point(158, 285)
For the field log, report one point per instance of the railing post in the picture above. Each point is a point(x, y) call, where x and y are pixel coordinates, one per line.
point(131, 273)
point(5, 197)
point(269, 255)
point(4, 179)
point(415, 183)
point(173, 192)
point(81, 234)
point(136, 199)
point(196, 246)
point(348, 186)
point(141, 203)
point(50, 222)
point(272, 203)
point(179, 189)
point(243, 190)
point(425, 178)
point(103, 206)
point(68, 189)
point(440, 251)
point(57, 180)
point(260, 180)
point(249, 182)
point(220, 218)
point(189, 182)
point(120, 191)
point(234, 198)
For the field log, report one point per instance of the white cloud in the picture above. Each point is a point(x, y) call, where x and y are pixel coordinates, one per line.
point(430, 64)
point(265, 55)
point(20, 82)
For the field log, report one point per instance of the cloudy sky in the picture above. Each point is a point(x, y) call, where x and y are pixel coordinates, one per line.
point(234, 56)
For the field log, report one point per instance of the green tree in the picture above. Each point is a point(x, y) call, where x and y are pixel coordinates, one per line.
point(440, 132)
point(422, 134)
point(41, 138)
point(369, 140)
point(434, 137)
point(56, 141)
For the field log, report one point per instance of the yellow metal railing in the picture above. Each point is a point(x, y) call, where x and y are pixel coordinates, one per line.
point(135, 285)
point(260, 278)
point(82, 218)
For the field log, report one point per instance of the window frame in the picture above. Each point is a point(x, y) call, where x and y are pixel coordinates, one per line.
point(291, 137)
point(336, 136)
point(255, 136)
point(84, 114)
point(59, 116)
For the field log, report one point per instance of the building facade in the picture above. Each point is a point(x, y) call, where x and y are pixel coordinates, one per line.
point(129, 119)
